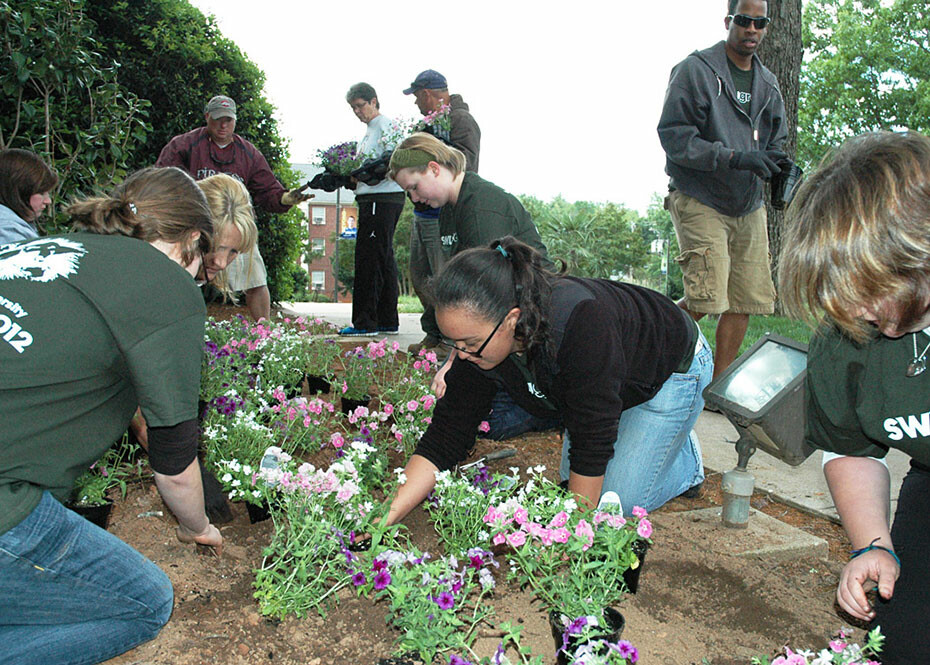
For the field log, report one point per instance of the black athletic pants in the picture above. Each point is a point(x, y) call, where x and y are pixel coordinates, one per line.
point(374, 294)
point(903, 619)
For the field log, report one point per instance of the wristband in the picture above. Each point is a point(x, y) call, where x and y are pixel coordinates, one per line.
point(873, 546)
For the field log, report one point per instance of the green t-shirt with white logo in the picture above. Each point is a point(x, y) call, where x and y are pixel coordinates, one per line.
point(742, 81)
point(860, 401)
point(91, 326)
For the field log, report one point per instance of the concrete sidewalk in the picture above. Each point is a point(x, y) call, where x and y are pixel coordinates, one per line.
point(800, 486)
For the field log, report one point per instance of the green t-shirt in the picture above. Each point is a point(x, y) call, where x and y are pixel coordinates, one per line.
point(859, 400)
point(484, 212)
point(742, 81)
point(91, 326)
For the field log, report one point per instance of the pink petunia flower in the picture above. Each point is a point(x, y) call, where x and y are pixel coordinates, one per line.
point(645, 528)
point(560, 519)
point(516, 538)
point(639, 512)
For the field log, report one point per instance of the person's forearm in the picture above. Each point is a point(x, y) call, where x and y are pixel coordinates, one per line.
point(588, 488)
point(258, 301)
point(860, 489)
point(183, 494)
point(421, 477)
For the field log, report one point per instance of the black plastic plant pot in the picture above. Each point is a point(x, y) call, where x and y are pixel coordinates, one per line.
point(258, 513)
point(347, 405)
point(317, 385)
point(99, 515)
point(611, 632)
point(631, 575)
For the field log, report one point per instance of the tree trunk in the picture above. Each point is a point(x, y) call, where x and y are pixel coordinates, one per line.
point(781, 51)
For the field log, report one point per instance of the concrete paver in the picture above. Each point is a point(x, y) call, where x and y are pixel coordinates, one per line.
point(763, 535)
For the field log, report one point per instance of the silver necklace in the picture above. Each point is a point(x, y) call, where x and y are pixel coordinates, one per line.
point(919, 364)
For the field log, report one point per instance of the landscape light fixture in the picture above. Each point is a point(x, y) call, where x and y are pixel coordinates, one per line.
point(762, 395)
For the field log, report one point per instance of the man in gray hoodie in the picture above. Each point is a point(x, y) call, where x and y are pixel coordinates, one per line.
point(723, 129)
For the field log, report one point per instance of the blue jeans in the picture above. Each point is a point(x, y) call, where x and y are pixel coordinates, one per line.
point(73, 593)
point(656, 457)
point(507, 419)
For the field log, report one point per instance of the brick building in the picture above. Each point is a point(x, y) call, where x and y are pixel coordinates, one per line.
point(322, 212)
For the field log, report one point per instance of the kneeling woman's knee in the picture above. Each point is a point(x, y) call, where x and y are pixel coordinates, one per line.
point(160, 601)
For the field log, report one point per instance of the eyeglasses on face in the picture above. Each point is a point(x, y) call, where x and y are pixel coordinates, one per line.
point(474, 354)
point(743, 21)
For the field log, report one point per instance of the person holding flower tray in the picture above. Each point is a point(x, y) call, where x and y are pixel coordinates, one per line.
point(93, 324)
point(622, 365)
point(857, 256)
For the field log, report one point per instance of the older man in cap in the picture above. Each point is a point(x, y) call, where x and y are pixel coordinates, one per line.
point(431, 92)
point(216, 148)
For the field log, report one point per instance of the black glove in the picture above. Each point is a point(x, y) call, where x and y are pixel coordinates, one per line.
point(373, 171)
point(329, 182)
point(764, 163)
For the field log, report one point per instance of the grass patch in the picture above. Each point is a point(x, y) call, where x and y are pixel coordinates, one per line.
point(758, 326)
point(409, 305)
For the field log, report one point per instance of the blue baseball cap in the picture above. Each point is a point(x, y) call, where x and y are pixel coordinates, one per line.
point(427, 80)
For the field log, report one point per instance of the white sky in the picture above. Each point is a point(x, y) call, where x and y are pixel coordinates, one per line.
point(567, 94)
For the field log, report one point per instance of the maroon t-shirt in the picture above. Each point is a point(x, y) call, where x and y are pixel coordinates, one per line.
point(200, 157)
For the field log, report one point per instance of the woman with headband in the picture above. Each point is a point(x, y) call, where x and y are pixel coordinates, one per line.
point(474, 212)
point(622, 365)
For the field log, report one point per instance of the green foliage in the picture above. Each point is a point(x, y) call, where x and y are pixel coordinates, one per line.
point(606, 240)
point(758, 326)
point(866, 71)
point(62, 99)
point(177, 58)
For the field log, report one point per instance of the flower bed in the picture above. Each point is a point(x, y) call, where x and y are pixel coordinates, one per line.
point(332, 484)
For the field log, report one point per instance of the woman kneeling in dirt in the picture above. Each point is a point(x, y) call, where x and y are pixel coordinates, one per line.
point(97, 322)
point(858, 254)
point(622, 365)
point(234, 233)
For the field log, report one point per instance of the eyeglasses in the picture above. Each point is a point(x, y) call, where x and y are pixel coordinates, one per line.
point(744, 21)
point(474, 354)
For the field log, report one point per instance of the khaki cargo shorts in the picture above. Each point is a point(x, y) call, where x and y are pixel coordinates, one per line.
point(247, 271)
point(724, 260)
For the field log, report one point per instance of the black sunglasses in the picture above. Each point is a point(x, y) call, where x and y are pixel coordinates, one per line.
point(744, 21)
point(474, 354)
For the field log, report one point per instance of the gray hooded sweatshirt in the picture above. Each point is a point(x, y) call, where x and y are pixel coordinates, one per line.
point(702, 124)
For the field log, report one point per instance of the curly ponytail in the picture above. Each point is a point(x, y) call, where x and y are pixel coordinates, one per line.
point(490, 281)
point(151, 204)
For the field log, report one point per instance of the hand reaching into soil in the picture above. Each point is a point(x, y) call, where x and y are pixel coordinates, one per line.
point(211, 538)
point(878, 566)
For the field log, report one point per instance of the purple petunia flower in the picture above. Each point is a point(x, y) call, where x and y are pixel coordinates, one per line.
point(628, 651)
point(358, 579)
point(445, 600)
point(382, 579)
point(458, 660)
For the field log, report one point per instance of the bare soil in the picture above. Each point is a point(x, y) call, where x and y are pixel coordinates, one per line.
point(693, 604)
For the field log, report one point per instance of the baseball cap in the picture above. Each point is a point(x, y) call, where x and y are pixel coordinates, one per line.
point(221, 107)
point(427, 80)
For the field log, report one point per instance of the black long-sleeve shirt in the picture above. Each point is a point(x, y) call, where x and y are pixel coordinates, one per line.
point(615, 345)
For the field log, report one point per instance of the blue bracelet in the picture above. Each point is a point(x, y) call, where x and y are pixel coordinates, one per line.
point(873, 546)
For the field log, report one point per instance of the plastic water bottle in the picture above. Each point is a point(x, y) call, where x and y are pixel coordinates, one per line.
point(610, 501)
point(270, 462)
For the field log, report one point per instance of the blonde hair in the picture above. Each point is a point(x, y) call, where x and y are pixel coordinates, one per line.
point(444, 155)
point(858, 235)
point(151, 204)
point(230, 205)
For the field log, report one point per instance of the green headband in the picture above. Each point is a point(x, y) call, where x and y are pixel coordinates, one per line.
point(403, 158)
